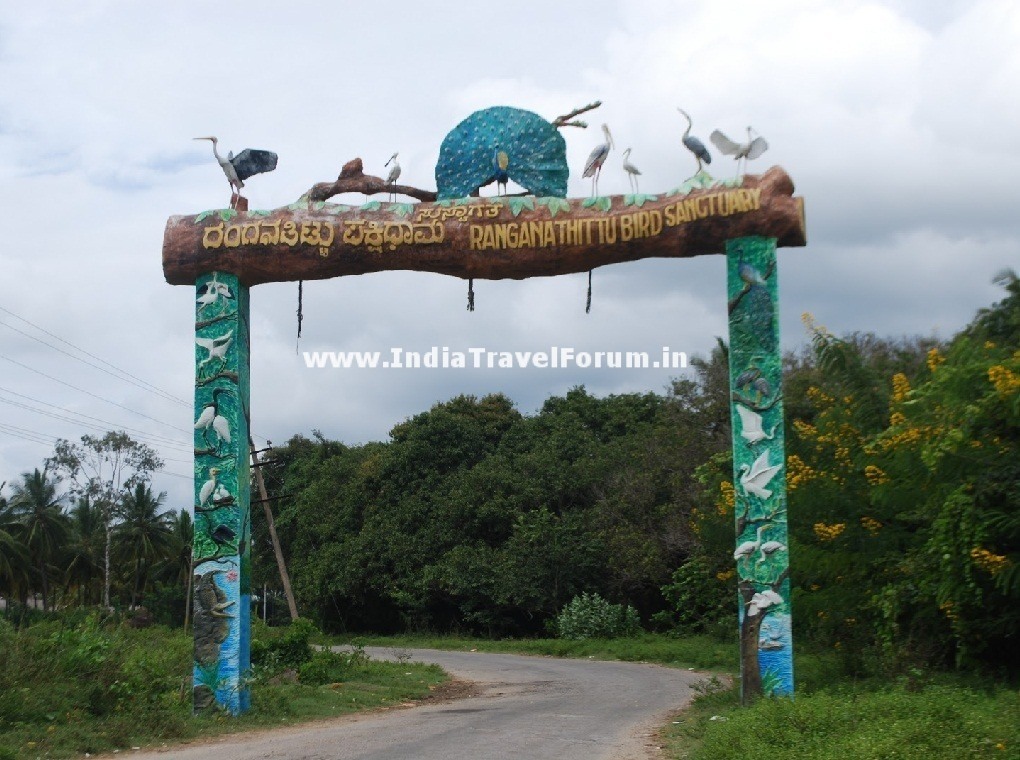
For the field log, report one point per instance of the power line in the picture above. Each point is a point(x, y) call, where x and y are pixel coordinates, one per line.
point(28, 435)
point(134, 380)
point(177, 443)
point(178, 447)
point(89, 393)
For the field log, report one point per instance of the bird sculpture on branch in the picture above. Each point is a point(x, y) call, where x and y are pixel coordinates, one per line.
point(247, 163)
point(593, 166)
point(394, 175)
point(632, 171)
point(748, 151)
point(693, 144)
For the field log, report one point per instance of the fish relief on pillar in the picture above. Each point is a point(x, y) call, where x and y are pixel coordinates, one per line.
point(221, 547)
point(761, 554)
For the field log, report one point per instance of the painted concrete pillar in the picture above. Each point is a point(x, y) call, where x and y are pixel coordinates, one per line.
point(759, 469)
point(222, 564)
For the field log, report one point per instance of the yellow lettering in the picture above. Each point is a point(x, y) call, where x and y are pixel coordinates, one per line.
point(212, 237)
point(626, 227)
point(476, 232)
point(656, 221)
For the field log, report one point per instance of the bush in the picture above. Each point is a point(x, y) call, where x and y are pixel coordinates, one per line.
point(697, 597)
point(327, 666)
point(589, 616)
point(290, 648)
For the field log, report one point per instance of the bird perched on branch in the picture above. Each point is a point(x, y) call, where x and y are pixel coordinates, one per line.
point(394, 175)
point(593, 166)
point(693, 144)
point(247, 163)
point(747, 151)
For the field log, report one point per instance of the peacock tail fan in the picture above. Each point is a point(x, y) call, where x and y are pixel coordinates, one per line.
point(536, 153)
point(758, 305)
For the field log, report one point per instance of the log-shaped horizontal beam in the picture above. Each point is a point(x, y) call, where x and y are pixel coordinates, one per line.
point(485, 238)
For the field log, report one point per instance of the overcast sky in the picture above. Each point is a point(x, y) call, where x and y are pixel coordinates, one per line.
point(898, 122)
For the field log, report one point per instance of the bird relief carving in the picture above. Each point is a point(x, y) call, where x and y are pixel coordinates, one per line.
point(751, 427)
point(753, 479)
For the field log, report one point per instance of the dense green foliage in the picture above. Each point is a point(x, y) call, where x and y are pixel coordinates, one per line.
point(474, 517)
point(87, 529)
point(78, 683)
point(904, 488)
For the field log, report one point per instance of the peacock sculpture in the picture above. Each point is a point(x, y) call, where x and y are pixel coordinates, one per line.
point(500, 144)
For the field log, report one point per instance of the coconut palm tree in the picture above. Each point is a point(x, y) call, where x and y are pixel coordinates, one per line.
point(84, 558)
point(176, 569)
point(143, 537)
point(14, 560)
point(45, 527)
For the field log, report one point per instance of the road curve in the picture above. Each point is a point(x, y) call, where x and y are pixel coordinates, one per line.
point(526, 708)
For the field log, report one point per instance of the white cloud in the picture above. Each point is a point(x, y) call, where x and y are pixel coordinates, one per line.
point(895, 119)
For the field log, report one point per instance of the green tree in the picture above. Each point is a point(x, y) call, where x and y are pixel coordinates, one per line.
point(83, 559)
point(14, 558)
point(144, 535)
point(37, 504)
point(106, 469)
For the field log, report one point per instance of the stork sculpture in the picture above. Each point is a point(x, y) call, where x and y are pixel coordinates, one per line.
point(247, 163)
point(593, 166)
point(393, 176)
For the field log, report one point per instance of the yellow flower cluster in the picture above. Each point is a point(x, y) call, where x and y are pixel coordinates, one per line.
point(875, 475)
point(798, 472)
point(991, 563)
point(725, 575)
point(910, 435)
point(935, 358)
point(871, 525)
point(727, 500)
point(828, 532)
point(843, 456)
point(947, 608)
point(1005, 381)
point(900, 387)
point(809, 322)
point(804, 430)
point(818, 397)
point(897, 418)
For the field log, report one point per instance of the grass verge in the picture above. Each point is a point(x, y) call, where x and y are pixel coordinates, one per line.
point(68, 690)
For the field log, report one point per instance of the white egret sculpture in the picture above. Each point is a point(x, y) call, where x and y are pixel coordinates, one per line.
point(751, 428)
point(632, 171)
point(757, 476)
point(748, 151)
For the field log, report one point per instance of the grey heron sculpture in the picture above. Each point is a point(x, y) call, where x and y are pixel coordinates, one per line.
point(247, 163)
point(693, 144)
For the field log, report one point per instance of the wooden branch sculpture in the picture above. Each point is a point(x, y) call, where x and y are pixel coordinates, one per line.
point(486, 238)
point(353, 179)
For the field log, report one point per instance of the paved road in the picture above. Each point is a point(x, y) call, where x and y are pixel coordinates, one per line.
point(525, 708)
